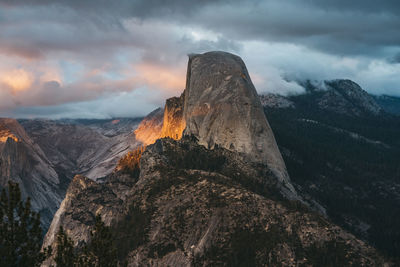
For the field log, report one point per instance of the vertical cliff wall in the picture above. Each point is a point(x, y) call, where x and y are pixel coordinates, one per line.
point(163, 123)
point(222, 107)
point(174, 123)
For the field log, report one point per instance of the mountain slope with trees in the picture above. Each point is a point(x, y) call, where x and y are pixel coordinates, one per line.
point(347, 161)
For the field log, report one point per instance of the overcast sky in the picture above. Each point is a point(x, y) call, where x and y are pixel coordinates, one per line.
point(101, 58)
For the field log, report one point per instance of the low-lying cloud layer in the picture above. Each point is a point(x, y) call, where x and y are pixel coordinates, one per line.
point(100, 58)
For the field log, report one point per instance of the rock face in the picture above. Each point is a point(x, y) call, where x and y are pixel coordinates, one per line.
point(222, 108)
point(85, 194)
point(149, 129)
point(23, 161)
point(174, 123)
point(163, 123)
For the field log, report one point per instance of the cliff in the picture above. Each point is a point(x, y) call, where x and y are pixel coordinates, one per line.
point(174, 123)
point(23, 161)
point(149, 130)
point(222, 108)
point(163, 123)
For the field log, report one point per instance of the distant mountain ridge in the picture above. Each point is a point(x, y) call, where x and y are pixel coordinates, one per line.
point(342, 96)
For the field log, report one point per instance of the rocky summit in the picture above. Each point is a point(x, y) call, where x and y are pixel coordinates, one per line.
point(222, 108)
point(211, 189)
point(343, 97)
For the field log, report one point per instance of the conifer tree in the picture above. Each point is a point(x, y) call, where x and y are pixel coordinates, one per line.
point(102, 246)
point(20, 231)
point(65, 250)
point(100, 252)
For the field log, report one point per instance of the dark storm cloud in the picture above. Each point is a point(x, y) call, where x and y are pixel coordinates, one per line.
point(339, 27)
point(395, 59)
point(373, 6)
point(347, 31)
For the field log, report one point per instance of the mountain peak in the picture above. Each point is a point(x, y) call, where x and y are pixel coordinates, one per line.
point(342, 96)
point(222, 108)
point(351, 97)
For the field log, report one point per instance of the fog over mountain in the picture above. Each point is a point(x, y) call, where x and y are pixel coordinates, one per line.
point(72, 59)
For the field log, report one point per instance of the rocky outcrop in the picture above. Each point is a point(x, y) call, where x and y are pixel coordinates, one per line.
point(163, 123)
point(222, 108)
point(85, 195)
point(174, 123)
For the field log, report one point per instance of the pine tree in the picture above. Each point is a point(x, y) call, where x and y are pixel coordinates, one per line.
point(20, 231)
point(102, 246)
point(100, 252)
point(65, 250)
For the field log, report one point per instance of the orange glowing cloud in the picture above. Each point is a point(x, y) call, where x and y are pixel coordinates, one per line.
point(161, 76)
point(17, 79)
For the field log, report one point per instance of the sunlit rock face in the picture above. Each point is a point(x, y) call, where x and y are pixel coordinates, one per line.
point(149, 130)
point(222, 108)
point(163, 123)
point(173, 124)
point(5, 134)
point(10, 128)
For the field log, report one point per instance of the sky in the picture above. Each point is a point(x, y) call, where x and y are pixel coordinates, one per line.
point(103, 59)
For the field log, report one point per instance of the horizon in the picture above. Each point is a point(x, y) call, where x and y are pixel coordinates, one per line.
point(139, 116)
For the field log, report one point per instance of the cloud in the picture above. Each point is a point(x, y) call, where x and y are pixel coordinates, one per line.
point(16, 80)
point(395, 59)
point(161, 77)
point(280, 66)
point(79, 57)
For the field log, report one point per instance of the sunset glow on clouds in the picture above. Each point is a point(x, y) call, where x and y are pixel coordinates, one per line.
point(103, 58)
point(16, 80)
